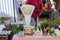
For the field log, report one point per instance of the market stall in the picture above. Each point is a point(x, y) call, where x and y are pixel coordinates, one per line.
point(44, 31)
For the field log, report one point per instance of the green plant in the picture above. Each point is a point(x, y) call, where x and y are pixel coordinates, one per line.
point(20, 28)
point(56, 21)
point(51, 24)
point(45, 23)
point(0, 21)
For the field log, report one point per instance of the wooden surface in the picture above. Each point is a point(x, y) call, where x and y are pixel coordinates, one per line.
point(3, 37)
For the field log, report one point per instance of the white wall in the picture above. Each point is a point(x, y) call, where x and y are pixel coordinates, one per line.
point(6, 8)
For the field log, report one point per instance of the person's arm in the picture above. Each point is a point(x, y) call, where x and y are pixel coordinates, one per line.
point(41, 6)
point(53, 6)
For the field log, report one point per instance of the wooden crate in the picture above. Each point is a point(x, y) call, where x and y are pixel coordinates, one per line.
point(3, 37)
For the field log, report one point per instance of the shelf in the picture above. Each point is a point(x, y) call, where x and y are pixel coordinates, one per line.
point(4, 18)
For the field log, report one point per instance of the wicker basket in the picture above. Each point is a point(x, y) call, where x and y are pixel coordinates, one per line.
point(4, 37)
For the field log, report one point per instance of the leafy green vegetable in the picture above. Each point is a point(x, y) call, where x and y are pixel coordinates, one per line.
point(20, 28)
point(56, 21)
point(45, 23)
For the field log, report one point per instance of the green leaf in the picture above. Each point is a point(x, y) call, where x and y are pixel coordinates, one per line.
point(20, 28)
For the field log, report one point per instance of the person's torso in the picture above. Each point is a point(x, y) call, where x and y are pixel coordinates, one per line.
point(36, 3)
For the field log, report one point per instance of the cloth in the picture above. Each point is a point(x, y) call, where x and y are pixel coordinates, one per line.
point(36, 38)
point(38, 5)
point(1, 27)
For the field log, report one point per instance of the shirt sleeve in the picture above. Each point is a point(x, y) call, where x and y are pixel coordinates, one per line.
point(28, 2)
point(41, 6)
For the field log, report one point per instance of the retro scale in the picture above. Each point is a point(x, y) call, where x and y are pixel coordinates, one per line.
point(27, 11)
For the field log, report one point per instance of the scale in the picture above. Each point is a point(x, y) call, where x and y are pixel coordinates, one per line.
point(27, 11)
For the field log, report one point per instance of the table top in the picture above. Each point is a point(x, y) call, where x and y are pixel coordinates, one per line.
point(36, 38)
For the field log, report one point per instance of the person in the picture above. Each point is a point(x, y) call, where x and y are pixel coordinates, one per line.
point(38, 8)
point(47, 6)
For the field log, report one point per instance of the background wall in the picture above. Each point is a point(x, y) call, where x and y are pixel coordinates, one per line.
point(6, 8)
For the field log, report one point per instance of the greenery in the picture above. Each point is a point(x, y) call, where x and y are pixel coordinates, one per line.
point(52, 24)
point(40, 26)
point(0, 21)
point(56, 21)
point(45, 22)
point(20, 28)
